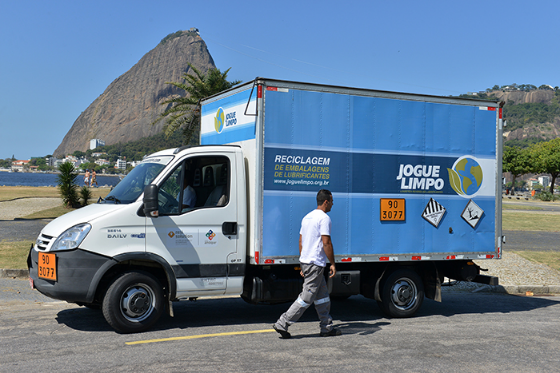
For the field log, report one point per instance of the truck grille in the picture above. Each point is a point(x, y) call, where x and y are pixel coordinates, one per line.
point(43, 242)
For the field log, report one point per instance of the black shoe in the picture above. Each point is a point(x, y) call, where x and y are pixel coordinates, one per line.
point(331, 333)
point(283, 333)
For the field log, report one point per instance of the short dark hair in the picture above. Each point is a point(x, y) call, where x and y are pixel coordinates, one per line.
point(322, 196)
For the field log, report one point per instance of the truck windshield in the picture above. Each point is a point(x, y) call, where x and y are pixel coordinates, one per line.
point(132, 186)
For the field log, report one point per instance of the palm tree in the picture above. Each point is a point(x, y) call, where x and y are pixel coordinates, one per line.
point(185, 110)
point(67, 184)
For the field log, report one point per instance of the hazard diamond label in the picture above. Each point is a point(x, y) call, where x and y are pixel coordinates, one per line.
point(433, 212)
point(472, 213)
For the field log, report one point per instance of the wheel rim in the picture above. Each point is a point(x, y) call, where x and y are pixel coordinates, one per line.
point(404, 294)
point(137, 302)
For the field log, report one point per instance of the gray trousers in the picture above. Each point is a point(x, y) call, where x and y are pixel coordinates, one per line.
point(314, 291)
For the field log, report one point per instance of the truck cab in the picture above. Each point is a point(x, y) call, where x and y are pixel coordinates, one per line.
point(115, 256)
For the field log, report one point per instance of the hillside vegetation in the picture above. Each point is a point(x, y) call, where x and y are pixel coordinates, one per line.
point(532, 114)
point(136, 150)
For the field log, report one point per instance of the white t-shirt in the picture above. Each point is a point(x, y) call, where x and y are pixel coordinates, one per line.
point(314, 225)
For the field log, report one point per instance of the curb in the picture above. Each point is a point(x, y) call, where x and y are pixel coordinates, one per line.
point(520, 289)
point(503, 289)
point(14, 273)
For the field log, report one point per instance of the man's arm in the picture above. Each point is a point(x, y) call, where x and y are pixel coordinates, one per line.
point(329, 251)
point(300, 246)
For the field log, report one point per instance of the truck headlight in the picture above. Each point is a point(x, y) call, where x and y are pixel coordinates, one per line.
point(71, 238)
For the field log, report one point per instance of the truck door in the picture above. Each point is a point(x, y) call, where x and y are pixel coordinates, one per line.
point(197, 222)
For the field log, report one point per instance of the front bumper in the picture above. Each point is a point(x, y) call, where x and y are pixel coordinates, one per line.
point(78, 273)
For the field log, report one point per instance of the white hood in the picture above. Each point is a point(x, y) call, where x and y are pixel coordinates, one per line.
point(83, 215)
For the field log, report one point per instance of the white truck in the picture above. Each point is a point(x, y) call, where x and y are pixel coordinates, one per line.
point(415, 180)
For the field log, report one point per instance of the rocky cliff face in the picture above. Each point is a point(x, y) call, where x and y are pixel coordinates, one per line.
point(544, 131)
point(519, 97)
point(125, 111)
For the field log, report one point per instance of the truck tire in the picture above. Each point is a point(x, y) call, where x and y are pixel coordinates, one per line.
point(133, 302)
point(402, 293)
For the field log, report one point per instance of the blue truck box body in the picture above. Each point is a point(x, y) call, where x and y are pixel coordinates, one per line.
point(435, 155)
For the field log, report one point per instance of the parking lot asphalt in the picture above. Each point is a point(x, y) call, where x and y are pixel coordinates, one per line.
point(21, 230)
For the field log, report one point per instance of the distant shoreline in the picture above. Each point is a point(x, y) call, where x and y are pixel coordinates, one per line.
point(54, 173)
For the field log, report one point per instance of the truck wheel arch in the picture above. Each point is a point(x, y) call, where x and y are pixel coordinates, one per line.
point(429, 273)
point(137, 260)
point(401, 292)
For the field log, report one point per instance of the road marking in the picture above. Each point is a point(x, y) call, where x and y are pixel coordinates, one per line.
point(200, 336)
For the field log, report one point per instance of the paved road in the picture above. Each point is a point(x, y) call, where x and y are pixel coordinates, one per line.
point(546, 207)
point(468, 332)
point(532, 241)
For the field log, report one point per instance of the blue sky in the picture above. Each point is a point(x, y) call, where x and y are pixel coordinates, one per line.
point(56, 57)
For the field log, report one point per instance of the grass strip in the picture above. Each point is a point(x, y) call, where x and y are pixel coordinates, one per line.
point(8, 193)
point(513, 221)
point(507, 206)
point(13, 255)
point(549, 258)
point(51, 213)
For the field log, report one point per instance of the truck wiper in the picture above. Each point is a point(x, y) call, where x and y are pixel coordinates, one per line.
point(112, 198)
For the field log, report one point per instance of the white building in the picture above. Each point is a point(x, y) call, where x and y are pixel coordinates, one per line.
point(51, 161)
point(19, 165)
point(102, 162)
point(74, 160)
point(94, 143)
point(544, 181)
point(121, 164)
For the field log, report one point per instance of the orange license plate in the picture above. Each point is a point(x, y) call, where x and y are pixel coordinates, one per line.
point(47, 266)
point(393, 209)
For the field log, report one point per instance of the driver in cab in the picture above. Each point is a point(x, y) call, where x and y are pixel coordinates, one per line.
point(189, 195)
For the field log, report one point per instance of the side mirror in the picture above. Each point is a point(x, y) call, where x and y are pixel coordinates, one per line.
point(151, 201)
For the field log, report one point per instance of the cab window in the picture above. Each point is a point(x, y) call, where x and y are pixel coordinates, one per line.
point(198, 182)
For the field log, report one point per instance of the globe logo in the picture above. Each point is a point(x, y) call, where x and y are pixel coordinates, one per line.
point(466, 176)
point(219, 120)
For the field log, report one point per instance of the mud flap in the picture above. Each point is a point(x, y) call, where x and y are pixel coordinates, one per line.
point(432, 285)
point(377, 295)
point(170, 305)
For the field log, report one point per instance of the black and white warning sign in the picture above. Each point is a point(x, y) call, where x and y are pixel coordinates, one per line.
point(472, 213)
point(433, 212)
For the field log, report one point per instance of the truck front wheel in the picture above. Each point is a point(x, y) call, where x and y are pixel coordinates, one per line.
point(133, 302)
point(402, 293)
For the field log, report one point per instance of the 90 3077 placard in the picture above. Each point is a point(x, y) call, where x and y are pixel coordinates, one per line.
point(392, 209)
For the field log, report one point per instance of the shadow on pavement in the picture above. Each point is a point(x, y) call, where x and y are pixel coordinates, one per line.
point(354, 315)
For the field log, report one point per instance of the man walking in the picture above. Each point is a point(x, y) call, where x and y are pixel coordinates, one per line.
point(315, 247)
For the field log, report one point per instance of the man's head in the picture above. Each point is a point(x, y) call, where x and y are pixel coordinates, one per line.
point(324, 200)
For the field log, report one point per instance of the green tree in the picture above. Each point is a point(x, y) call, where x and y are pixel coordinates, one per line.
point(517, 161)
point(5, 163)
point(85, 194)
point(88, 166)
point(184, 111)
point(546, 156)
point(67, 184)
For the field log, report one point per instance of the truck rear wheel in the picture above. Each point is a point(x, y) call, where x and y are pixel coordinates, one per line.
point(133, 302)
point(402, 293)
